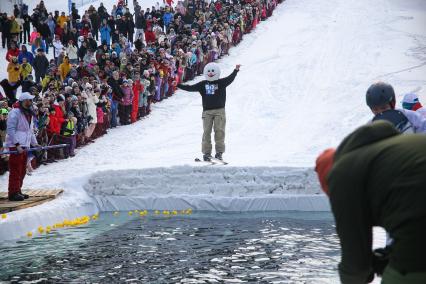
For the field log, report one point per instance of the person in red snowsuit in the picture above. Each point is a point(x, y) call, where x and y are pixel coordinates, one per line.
point(137, 89)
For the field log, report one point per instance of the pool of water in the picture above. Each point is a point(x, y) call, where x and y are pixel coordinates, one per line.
point(204, 247)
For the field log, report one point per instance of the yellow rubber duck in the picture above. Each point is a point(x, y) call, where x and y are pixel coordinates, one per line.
point(115, 213)
point(29, 234)
point(130, 213)
point(166, 212)
point(40, 229)
point(3, 216)
point(145, 212)
point(156, 212)
point(174, 212)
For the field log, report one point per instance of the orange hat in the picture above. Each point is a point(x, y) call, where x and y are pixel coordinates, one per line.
point(323, 166)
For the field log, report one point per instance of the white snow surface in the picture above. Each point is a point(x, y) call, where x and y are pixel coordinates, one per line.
point(300, 90)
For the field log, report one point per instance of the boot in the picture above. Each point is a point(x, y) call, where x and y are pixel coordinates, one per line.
point(207, 157)
point(16, 197)
point(26, 196)
point(218, 156)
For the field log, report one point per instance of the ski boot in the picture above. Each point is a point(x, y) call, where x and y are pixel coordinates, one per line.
point(207, 157)
point(218, 156)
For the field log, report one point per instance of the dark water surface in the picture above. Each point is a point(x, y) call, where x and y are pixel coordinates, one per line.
point(206, 247)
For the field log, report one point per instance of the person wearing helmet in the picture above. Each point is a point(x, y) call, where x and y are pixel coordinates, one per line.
point(213, 94)
point(376, 177)
point(411, 102)
point(381, 100)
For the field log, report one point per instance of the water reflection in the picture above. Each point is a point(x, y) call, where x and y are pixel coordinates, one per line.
point(202, 248)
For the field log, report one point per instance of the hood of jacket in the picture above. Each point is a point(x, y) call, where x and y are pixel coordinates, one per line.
point(366, 135)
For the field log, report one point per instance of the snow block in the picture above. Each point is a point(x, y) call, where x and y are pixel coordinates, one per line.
point(208, 188)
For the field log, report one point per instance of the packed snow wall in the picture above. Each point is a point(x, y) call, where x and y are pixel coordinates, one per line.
point(208, 188)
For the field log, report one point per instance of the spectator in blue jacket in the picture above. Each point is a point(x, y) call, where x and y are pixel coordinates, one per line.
point(24, 53)
point(105, 33)
point(168, 17)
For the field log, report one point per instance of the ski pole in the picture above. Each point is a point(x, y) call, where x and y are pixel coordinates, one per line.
point(36, 149)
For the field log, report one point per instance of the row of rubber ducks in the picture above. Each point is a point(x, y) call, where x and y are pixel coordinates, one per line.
point(86, 219)
point(143, 213)
point(79, 221)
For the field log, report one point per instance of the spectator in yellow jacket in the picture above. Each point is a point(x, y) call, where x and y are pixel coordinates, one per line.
point(62, 19)
point(15, 29)
point(13, 70)
point(25, 69)
point(64, 68)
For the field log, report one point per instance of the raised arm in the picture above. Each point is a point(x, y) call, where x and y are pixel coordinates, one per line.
point(228, 80)
point(189, 88)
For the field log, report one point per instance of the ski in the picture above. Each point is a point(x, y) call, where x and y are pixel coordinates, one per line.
point(219, 161)
point(212, 163)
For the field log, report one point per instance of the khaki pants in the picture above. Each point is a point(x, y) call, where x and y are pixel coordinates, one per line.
point(391, 276)
point(214, 119)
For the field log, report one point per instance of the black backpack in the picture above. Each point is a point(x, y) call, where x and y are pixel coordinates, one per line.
point(397, 118)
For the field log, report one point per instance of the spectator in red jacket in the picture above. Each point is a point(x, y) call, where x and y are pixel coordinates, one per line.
point(13, 51)
point(54, 126)
point(149, 36)
point(57, 116)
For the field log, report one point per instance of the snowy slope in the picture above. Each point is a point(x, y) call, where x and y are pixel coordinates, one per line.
point(301, 89)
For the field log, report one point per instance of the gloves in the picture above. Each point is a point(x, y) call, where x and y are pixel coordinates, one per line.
point(19, 149)
point(380, 260)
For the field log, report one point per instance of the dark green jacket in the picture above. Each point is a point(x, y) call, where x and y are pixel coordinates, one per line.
point(379, 179)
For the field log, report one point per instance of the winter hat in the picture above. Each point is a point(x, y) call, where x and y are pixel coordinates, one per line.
point(74, 84)
point(324, 163)
point(74, 98)
point(88, 86)
point(68, 89)
point(60, 98)
point(4, 111)
point(410, 98)
point(25, 96)
point(411, 102)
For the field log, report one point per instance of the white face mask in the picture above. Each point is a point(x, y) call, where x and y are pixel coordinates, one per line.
point(212, 72)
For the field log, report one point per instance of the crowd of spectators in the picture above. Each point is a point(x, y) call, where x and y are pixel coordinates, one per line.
point(102, 69)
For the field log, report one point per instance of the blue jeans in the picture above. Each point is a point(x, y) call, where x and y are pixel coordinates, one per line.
point(114, 110)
